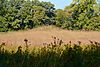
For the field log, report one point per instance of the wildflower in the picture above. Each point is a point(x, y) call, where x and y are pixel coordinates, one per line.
point(79, 42)
point(91, 41)
point(3, 44)
point(70, 42)
point(26, 42)
point(96, 42)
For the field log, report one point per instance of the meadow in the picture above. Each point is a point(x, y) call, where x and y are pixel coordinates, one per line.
point(43, 34)
point(54, 54)
point(34, 33)
point(50, 46)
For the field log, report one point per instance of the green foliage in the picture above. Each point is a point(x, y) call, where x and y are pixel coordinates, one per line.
point(26, 14)
point(84, 15)
point(61, 17)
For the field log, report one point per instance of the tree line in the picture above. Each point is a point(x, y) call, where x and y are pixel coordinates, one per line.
point(28, 14)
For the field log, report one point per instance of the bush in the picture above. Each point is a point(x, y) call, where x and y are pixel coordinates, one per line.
point(52, 55)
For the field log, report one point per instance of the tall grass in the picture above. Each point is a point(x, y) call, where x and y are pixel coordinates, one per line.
point(55, 54)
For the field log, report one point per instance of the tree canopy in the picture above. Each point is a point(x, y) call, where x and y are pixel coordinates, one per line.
point(26, 14)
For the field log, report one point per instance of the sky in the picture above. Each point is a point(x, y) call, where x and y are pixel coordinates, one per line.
point(59, 4)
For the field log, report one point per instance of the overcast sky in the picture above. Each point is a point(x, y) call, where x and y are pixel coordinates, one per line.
point(59, 4)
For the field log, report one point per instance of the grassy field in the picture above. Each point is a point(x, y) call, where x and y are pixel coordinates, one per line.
point(16, 48)
point(44, 34)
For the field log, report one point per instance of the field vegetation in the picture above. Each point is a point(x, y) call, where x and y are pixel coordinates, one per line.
point(55, 54)
point(77, 45)
point(44, 34)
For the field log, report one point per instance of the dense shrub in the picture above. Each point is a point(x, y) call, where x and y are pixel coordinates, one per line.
point(55, 54)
